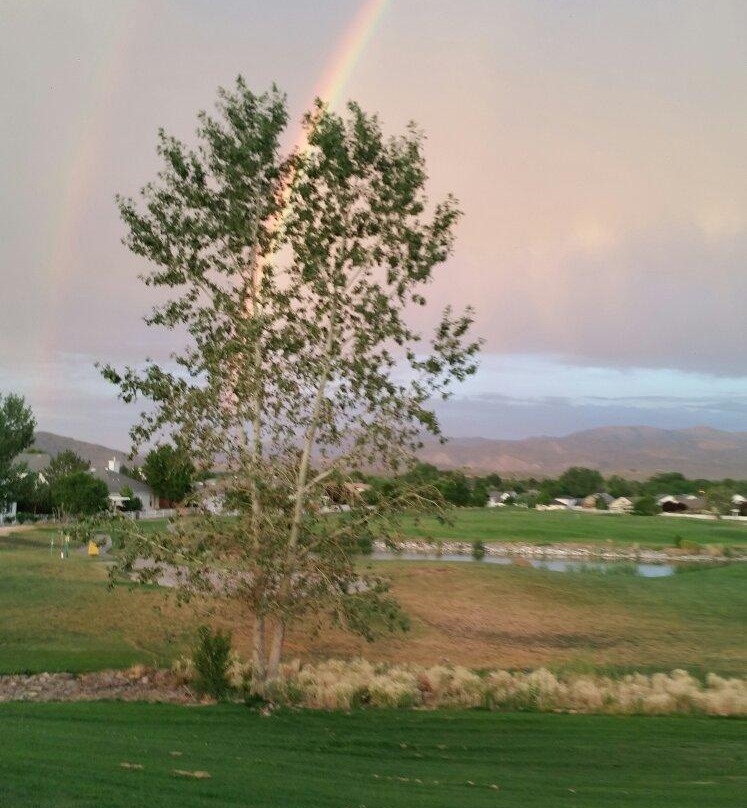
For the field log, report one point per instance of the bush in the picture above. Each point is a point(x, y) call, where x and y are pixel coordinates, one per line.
point(646, 506)
point(478, 550)
point(212, 661)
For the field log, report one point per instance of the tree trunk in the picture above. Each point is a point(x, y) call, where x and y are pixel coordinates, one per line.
point(259, 654)
point(276, 651)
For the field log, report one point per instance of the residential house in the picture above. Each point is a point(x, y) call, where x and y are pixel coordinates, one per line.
point(740, 505)
point(681, 503)
point(593, 501)
point(497, 499)
point(116, 481)
point(621, 505)
point(563, 504)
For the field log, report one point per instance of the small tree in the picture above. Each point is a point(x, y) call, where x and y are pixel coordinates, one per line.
point(17, 426)
point(295, 279)
point(169, 472)
point(131, 502)
point(719, 499)
point(65, 463)
point(646, 506)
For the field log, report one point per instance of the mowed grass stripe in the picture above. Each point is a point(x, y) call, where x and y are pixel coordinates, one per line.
point(70, 755)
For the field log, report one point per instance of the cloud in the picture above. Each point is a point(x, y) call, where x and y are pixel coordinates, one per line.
point(669, 297)
point(499, 416)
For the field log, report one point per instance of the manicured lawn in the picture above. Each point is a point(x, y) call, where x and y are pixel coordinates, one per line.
point(65, 756)
point(555, 527)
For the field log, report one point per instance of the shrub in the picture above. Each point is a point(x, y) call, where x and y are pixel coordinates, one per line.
point(646, 506)
point(478, 550)
point(338, 685)
point(212, 661)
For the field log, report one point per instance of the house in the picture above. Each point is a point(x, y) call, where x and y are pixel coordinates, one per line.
point(115, 482)
point(563, 503)
point(681, 503)
point(36, 463)
point(497, 499)
point(621, 505)
point(740, 505)
point(593, 501)
point(8, 513)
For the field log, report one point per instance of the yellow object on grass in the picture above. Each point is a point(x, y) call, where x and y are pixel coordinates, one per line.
point(93, 548)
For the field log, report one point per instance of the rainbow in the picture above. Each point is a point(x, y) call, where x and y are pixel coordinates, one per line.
point(337, 74)
point(341, 66)
point(357, 36)
point(82, 161)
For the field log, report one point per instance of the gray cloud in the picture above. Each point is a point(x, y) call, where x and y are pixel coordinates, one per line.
point(501, 416)
point(670, 297)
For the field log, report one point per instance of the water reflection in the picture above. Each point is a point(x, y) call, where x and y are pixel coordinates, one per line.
point(645, 570)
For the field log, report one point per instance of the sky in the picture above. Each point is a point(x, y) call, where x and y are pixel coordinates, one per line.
point(596, 148)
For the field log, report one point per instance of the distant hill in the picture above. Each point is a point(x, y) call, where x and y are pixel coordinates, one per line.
point(96, 454)
point(632, 451)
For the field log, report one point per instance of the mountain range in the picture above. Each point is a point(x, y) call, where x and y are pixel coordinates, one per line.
point(632, 451)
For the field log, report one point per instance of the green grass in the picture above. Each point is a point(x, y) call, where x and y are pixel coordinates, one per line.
point(69, 756)
point(61, 615)
point(556, 527)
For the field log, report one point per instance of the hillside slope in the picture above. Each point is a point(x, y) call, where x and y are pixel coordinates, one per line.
point(97, 455)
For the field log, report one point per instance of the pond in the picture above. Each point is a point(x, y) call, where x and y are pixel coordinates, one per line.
point(645, 570)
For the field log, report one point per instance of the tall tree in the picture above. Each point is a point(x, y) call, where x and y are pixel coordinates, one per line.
point(295, 279)
point(169, 472)
point(579, 481)
point(17, 426)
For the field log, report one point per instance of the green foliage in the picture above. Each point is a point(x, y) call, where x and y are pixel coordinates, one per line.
point(719, 499)
point(291, 278)
point(455, 489)
point(480, 496)
point(79, 494)
point(579, 481)
point(169, 472)
point(33, 495)
point(620, 487)
point(131, 503)
point(645, 506)
point(212, 660)
point(478, 550)
point(65, 463)
point(17, 426)
point(371, 613)
point(669, 482)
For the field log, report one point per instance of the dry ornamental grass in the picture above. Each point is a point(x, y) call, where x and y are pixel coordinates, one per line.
point(342, 685)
